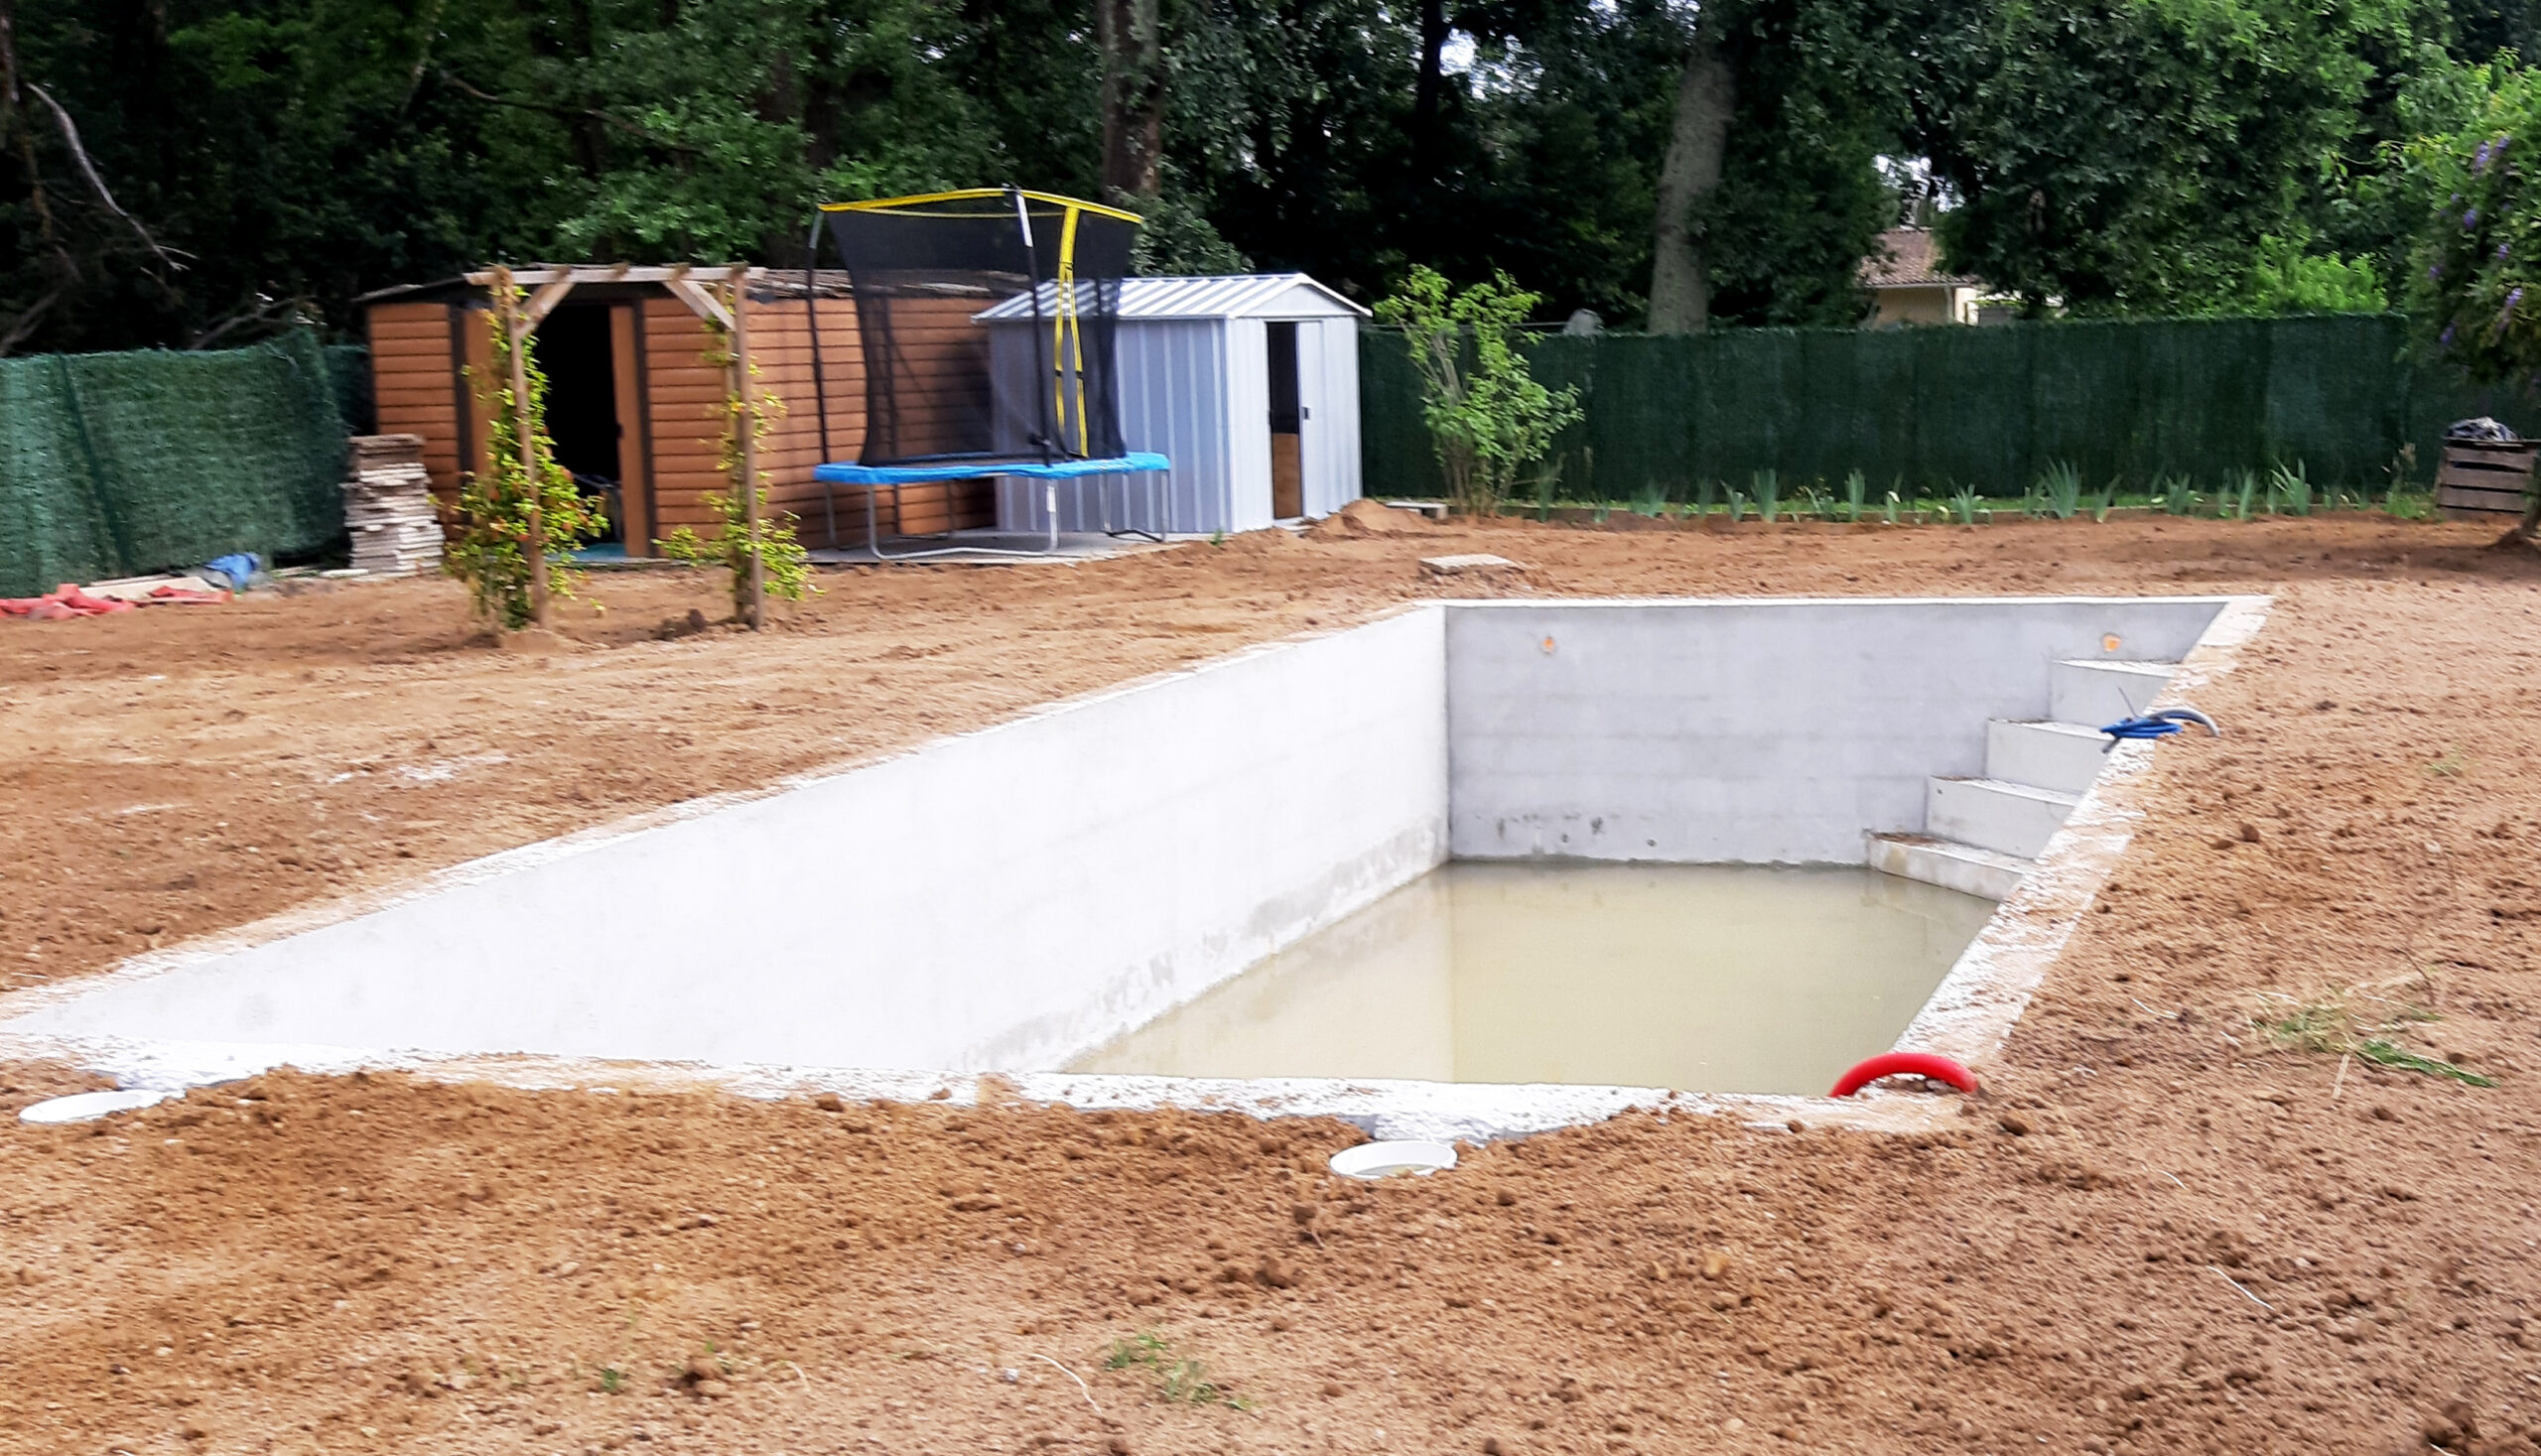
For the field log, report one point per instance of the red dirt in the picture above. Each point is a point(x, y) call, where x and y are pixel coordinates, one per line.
point(2155, 1231)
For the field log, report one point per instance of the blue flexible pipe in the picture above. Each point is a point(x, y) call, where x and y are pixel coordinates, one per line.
point(2159, 724)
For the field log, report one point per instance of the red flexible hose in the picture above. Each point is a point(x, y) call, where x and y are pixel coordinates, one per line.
point(1905, 1064)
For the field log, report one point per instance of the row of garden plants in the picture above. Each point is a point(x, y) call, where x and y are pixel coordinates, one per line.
point(2057, 494)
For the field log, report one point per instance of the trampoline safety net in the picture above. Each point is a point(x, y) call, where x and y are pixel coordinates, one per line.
point(941, 384)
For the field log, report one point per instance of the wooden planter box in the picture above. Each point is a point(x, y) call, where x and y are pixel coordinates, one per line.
point(2481, 481)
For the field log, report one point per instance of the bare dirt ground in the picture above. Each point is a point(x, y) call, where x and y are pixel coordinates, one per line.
point(2156, 1231)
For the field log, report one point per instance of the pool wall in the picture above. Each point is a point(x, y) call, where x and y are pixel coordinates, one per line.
point(1754, 733)
point(1005, 898)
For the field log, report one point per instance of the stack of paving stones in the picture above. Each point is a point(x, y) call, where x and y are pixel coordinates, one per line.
point(388, 507)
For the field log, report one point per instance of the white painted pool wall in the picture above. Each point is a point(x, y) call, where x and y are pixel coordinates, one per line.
point(1759, 733)
point(1008, 899)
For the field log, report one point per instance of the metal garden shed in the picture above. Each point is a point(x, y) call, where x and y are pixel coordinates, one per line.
point(1249, 383)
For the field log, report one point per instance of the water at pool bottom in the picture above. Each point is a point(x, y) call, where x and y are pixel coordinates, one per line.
point(1696, 976)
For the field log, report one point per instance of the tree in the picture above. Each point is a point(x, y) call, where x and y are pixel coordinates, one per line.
point(1488, 416)
point(1132, 35)
point(1706, 99)
point(2132, 158)
point(1768, 197)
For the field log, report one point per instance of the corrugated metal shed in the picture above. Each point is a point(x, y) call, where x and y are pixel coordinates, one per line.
point(1232, 296)
point(1247, 383)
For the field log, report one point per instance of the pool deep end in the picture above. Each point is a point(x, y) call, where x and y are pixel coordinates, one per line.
point(1016, 897)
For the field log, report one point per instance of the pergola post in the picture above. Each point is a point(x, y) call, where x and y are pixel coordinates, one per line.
point(518, 325)
point(745, 421)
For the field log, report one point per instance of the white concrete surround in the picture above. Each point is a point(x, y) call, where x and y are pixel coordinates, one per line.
point(1000, 901)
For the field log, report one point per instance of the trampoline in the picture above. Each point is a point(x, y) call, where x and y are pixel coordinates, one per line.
point(943, 403)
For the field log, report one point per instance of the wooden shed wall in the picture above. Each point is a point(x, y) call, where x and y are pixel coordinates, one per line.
point(420, 353)
point(415, 377)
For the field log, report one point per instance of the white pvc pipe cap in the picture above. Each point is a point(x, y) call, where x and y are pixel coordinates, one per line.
point(87, 1107)
point(1384, 1159)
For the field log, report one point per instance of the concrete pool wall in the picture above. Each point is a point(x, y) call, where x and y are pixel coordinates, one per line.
point(1750, 732)
point(1006, 899)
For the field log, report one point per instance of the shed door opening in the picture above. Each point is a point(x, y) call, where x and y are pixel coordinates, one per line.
point(582, 404)
point(1287, 413)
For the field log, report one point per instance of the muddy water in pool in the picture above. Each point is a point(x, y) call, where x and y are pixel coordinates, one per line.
point(1703, 977)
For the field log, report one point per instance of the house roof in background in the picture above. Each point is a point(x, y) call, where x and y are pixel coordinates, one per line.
point(1908, 257)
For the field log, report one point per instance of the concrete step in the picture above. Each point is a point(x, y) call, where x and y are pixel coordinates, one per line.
point(2064, 756)
point(2092, 691)
point(1966, 869)
point(2012, 819)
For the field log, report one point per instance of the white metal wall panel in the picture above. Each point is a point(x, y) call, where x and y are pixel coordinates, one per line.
point(1328, 358)
point(1248, 395)
point(1173, 401)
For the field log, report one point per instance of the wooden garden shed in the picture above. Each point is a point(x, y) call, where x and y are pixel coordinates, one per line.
point(635, 391)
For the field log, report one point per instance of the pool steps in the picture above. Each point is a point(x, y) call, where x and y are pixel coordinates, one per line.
point(1981, 834)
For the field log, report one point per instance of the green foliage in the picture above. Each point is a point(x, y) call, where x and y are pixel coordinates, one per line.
point(2242, 489)
point(2172, 495)
point(2358, 1021)
point(1489, 418)
point(1962, 504)
point(1767, 487)
point(1856, 489)
point(2060, 488)
point(2141, 158)
point(1177, 1380)
point(491, 554)
point(2472, 289)
point(2170, 155)
point(2292, 485)
point(785, 566)
point(2288, 280)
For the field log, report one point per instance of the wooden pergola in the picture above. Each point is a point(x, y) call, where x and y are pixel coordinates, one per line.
point(691, 284)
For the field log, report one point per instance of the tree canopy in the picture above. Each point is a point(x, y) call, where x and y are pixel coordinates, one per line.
point(200, 172)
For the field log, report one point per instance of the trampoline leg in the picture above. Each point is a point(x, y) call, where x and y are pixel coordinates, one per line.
point(1050, 503)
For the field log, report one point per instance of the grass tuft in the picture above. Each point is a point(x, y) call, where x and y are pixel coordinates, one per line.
point(1181, 1382)
point(2356, 1021)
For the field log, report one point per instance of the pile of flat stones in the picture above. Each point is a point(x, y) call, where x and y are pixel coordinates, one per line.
point(388, 507)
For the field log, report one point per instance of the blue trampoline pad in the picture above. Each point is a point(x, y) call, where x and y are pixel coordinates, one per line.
point(847, 473)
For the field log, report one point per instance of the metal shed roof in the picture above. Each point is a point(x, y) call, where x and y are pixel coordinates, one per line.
point(1231, 296)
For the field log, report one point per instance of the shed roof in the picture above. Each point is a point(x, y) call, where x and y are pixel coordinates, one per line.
point(764, 283)
point(1227, 296)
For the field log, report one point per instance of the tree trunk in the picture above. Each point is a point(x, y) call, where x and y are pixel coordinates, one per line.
point(1131, 37)
point(1427, 85)
point(1706, 94)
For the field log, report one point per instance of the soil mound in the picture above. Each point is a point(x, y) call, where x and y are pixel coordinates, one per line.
point(1365, 517)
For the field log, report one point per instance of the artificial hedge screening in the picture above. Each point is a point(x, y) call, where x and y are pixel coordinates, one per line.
point(1934, 410)
point(117, 465)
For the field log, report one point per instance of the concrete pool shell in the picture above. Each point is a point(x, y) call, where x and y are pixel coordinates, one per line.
point(946, 920)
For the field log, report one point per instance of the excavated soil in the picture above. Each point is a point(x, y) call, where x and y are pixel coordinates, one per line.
point(2157, 1230)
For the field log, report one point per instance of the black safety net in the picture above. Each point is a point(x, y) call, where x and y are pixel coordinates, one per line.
point(986, 322)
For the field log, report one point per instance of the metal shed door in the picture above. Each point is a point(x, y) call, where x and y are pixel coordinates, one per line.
point(1288, 413)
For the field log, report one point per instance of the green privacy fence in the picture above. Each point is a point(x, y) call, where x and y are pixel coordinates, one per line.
point(115, 465)
point(1932, 409)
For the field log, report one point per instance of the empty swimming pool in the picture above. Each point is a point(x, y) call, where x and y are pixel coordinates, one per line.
point(1091, 884)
